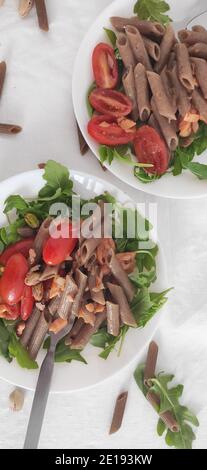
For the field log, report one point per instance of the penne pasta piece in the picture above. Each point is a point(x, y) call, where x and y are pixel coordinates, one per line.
point(171, 61)
point(49, 272)
point(2, 75)
point(148, 28)
point(113, 318)
point(192, 37)
point(38, 334)
point(25, 7)
point(201, 74)
point(87, 249)
point(169, 88)
point(74, 331)
point(183, 99)
point(200, 105)
point(96, 294)
point(154, 123)
point(85, 333)
point(125, 50)
point(1, 3)
point(198, 50)
point(184, 67)
point(165, 48)
point(67, 298)
point(93, 222)
point(142, 92)
point(130, 90)
point(118, 412)
point(168, 130)
point(167, 417)
point(42, 15)
point(30, 326)
point(81, 281)
point(149, 371)
point(163, 104)
point(198, 28)
point(53, 305)
point(120, 298)
point(152, 48)
point(10, 129)
point(40, 239)
point(138, 47)
point(120, 275)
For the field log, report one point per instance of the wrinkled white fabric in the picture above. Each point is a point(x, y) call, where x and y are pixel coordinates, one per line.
point(37, 95)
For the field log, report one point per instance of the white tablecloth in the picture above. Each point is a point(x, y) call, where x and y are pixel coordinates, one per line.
point(37, 63)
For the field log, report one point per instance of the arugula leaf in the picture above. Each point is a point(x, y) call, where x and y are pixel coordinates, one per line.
point(88, 104)
point(154, 10)
point(198, 169)
point(169, 401)
point(57, 178)
point(113, 341)
point(146, 304)
point(4, 341)
point(19, 352)
point(101, 338)
point(144, 177)
point(111, 36)
point(15, 202)
point(108, 154)
point(63, 353)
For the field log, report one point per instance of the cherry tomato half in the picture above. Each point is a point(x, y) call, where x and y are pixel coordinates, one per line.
point(23, 246)
point(151, 148)
point(105, 67)
point(56, 250)
point(105, 130)
point(27, 303)
point(10, 312)
point(110, 102)
point(12, 280)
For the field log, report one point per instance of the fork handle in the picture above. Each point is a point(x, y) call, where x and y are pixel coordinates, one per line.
point(40, 401)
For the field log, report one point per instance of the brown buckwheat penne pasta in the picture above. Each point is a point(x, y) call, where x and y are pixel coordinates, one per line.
point(148, 28)
point(2, 75)
point(42, 14)
point(165, 48)
point(120, 275)
point(30, 326)
point(168, 130)
point(25, 7)
point(120, 298)
point(198, 50)
point(138, 47)
point(201, 74)
point(67, 298)
point(192, 37)
point(142, 90)
point(125, 50)
point(152, 48)
point(184, 67)
point(81, 281)
point(169, 88)
point(10, 129)
point(130, 90)
point(163, 104)
point(39, 334)
point(85, 333)
point(113, 318)
point(183, 100)
point(200, 104)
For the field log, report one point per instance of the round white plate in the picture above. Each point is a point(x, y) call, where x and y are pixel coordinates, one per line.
point(183, 186)
point(74, 376)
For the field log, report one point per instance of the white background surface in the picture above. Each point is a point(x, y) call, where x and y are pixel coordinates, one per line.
point(37, 94)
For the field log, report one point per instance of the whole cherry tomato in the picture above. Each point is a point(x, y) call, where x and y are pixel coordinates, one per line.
point(105, 67)
point(27, 303)
point(12, 280)
point(105, 130)
point(151, 148)
point(110, 102)
point(56, 250)
point(23, 246)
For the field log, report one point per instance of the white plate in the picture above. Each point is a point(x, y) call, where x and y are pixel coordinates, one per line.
point(74, 376)
point(183, 186)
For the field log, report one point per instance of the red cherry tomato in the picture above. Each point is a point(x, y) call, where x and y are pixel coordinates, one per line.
point(110, 102)
point(12, 280)
point(105, 130)
point(9, 312)
point(105, 67)
point(56, 250)
point(23, 246)
point(27, 303)
point(151, 148)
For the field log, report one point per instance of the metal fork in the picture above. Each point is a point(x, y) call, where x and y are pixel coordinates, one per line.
point(42, 389)
point(198, 9)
